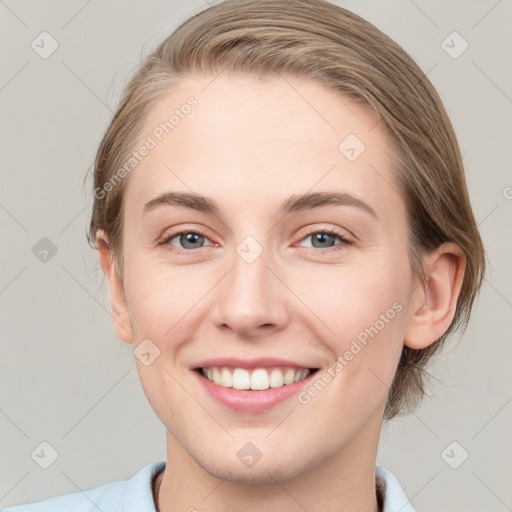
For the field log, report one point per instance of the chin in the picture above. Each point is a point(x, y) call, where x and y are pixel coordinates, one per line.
point(261, 473)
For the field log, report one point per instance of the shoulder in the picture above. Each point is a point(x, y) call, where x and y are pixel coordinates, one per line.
point(395, 499)
point(103, 497)
point(120, 496)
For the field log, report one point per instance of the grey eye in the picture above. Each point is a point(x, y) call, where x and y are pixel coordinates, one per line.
point(323, 239)
point(188, 240)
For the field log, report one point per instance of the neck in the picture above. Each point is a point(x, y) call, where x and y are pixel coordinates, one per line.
point(343, 483)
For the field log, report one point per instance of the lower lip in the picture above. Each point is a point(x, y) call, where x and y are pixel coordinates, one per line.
point(252, 401)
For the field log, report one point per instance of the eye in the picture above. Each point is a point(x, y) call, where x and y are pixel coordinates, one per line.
point(324, 239)
point(188, 240)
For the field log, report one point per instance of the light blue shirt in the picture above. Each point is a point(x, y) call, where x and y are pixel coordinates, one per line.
point(135, 495)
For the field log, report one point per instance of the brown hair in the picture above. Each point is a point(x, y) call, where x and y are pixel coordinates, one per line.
point(316, 39)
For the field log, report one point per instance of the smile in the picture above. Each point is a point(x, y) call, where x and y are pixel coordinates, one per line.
point(257, 379)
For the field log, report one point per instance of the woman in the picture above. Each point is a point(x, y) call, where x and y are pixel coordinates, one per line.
point(283, 222)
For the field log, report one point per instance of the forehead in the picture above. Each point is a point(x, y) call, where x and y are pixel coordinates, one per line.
point(245, 139)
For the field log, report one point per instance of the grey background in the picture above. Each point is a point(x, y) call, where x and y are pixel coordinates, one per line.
point(67, 380)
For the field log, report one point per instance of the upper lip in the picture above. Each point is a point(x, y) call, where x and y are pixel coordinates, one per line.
point(260, 362)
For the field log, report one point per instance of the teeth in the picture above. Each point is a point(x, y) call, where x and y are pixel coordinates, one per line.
point(289, 376)
point(226, 378)
point(216, 376)
point(241, 379)
point(259, 380)
point(276, 378)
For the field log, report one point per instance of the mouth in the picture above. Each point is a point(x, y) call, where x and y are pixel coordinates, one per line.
point(254, 379)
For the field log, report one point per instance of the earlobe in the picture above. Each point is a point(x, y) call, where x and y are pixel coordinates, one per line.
point(434, 301)
point(120, 314)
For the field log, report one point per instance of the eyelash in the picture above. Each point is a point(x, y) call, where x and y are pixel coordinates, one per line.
point(344, 241)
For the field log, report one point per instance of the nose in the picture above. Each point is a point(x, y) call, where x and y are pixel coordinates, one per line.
point(251, 299)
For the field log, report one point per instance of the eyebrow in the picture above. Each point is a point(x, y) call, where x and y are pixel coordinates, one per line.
point(293, 204)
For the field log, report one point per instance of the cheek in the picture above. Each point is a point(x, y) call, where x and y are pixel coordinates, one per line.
point(352, 299)
point(364, 309)
point(164, 299)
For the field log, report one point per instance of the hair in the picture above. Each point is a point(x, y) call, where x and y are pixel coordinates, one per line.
point(319, 40)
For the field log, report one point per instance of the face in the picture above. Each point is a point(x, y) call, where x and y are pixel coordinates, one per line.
point(256, 282)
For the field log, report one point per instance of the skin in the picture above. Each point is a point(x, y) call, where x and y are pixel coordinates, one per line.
point(249, 145)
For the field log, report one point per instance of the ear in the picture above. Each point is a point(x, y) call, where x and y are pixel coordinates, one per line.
point(120, 314)
point(433, 302)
